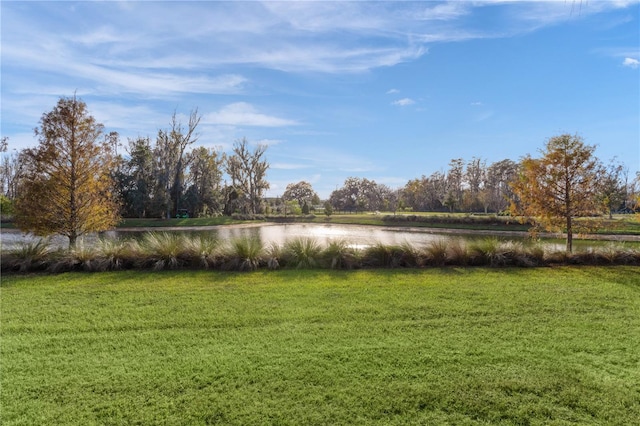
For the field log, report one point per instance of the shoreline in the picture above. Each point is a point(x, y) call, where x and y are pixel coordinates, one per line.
point(414, 229)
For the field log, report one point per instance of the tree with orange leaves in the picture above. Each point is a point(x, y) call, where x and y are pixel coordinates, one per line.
point(559, 187)
point(67, 187)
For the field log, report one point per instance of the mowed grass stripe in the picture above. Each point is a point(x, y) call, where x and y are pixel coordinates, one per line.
point(447, 346)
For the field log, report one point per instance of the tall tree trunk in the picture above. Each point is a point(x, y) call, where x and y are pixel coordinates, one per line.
point(569, 235)
point(73, 237)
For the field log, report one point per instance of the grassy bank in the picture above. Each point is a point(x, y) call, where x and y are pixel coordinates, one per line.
point(620, 224)
point(438, 346)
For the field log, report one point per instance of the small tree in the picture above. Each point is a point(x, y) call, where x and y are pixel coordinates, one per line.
point(6, 206)
point(328, 209)
point(558, 187)
point(67, 187)
point(292, 207)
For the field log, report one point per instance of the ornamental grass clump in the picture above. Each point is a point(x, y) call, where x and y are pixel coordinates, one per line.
point(488, 251)
point(339, 255)
point(382, 256)
point(163, 250)
point(436, 252)
point(203, 251)
point(302, 253)
point(536, 253)
point(114, 255)
point(78, 258)
point(410, 256)
point(30, 256)
point(619, 254)
point(458, 252)
point(516, 254)
point(243, 254)
point(610, 254)
point(554, 256)
point(274, 256)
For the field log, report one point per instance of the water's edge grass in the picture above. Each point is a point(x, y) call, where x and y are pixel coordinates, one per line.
point(163, 250)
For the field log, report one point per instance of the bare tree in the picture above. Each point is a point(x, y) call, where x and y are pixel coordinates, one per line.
point(171, 160)
point(247, 170)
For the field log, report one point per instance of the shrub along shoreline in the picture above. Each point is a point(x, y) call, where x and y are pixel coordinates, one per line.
point(162, 250)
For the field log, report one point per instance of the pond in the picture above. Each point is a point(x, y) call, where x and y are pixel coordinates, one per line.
point(270, 233)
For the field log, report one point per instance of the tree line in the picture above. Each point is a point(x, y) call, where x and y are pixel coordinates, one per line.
point(164, 178)
point(76, 180)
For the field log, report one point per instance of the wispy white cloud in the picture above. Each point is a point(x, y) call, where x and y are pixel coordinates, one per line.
point(129, 49)
point(106, 79)
point(288, 166)
point(403, 102)
point(269, 142)
point(444, 11)
point(244, 114)
point(330, 159)
point(171, 51)
point(137, 119)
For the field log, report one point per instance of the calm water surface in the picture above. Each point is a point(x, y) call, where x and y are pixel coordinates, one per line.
point(355, 235)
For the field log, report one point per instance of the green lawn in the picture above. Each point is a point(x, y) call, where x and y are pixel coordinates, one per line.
point(449, 346)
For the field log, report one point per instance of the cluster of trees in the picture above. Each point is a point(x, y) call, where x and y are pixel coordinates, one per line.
point(467, 187)
point(162, 179)
point(75, 181)
point(470, 187)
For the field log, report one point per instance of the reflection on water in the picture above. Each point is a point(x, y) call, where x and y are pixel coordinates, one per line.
point(278, 234)
point(355, 235)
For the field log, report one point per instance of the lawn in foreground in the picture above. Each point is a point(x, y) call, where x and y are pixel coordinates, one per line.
point(449, 346)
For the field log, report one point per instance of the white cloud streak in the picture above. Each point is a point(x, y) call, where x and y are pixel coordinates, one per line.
point(631, 63)
point(244, 114)
point(403, 102)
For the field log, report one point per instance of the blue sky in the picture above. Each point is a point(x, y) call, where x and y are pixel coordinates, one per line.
point(383, 90)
